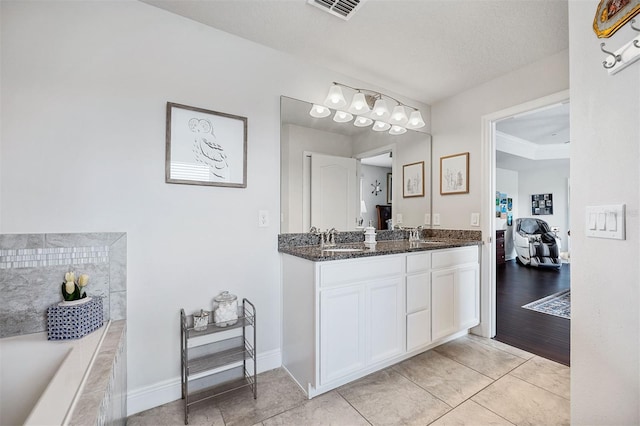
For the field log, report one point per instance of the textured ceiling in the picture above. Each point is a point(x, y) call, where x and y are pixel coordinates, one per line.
point(423, 49)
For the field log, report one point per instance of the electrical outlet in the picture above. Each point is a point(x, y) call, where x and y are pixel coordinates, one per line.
point(427, 219)
point(263, 218)
point(399, 218)
point(436, 219)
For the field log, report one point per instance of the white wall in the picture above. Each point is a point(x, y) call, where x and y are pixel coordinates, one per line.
point(457, 127)
point(546, 180)
point(84, 88)
point(605, 158)
point(507, 182)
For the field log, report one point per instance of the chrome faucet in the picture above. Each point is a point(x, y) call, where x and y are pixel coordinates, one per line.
point(414, 233)
point(327, 238)
point(330, 237)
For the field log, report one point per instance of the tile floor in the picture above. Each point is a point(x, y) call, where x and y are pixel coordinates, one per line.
point(468, 381)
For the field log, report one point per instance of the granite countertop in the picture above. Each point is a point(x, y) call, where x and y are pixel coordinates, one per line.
point(316, 254)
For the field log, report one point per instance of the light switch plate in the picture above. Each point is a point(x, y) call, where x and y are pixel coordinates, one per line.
point(263, 218)
point(436, 219)
point(606, 221)
point(399, 218)
point(475, 219)
point(427, 218)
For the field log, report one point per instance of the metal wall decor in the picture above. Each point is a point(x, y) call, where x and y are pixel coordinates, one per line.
point(625, 56)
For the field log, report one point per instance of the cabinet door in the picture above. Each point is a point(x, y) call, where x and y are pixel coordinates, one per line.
point(418, 329)
point(468, 297)
point(342, 332)
point(385, 319)
point(443, 303)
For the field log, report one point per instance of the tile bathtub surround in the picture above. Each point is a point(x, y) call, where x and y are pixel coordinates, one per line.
point(103, 400)
point(436, 388)
point(33, 268)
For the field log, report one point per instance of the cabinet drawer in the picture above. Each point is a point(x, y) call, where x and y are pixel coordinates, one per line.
point(418, 292)
point(351, 271)
point(418, 262)
point(454, 257)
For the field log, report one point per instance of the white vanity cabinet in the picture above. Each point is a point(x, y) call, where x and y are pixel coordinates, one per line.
point(455, 291)
point(361, 314)
point(343, 319)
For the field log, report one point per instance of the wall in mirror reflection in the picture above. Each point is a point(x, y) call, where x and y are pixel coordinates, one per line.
point(323, 182)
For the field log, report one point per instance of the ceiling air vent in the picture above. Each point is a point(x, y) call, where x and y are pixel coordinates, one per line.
point(341, 8)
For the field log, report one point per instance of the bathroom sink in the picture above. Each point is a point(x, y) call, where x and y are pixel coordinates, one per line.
point(342, 250)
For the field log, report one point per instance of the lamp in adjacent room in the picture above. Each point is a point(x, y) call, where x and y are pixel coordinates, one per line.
point(363, 210)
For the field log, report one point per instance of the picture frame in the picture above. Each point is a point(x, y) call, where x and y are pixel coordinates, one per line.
point(413, 180)
point(454, 174)
point(542, 204)
point(611, 15)
point(205, 147)
point(389, 188)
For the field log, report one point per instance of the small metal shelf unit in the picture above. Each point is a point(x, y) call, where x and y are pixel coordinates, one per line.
point(212, 367)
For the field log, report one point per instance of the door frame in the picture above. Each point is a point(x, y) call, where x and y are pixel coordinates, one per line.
point(487, 327)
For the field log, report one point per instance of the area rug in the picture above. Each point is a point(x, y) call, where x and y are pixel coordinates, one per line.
point(558, 304)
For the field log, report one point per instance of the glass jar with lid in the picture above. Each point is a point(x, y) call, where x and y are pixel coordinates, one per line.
point(200, 320)
point(226, 311)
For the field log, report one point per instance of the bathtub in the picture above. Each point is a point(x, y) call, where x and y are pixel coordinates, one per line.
point(41, 380)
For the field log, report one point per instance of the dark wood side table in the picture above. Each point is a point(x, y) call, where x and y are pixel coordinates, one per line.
point(500, 259)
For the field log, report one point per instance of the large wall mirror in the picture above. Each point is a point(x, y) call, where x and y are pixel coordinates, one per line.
point(337, 175)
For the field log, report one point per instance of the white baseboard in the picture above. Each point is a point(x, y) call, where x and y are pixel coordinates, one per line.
point(160, 393)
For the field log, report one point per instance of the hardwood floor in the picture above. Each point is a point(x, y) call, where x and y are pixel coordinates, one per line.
point(545, 335)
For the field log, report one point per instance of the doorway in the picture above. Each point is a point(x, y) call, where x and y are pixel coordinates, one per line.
point(490, 147)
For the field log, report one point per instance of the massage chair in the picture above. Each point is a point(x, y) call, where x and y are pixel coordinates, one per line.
point(536, 244)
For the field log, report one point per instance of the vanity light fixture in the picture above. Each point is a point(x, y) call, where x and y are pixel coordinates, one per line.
point(335, 98)
point(398, 116)
point(359, 104)
point(370, 107)
point(397, 130)
point(381, 126)
point(415, 121)
point(361, 121)
point(342, 117)
point(319, 111)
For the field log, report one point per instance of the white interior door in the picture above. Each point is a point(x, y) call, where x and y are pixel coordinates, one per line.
point(333, 192)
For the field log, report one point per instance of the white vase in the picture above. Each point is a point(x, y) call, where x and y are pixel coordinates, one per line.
point(74, 302)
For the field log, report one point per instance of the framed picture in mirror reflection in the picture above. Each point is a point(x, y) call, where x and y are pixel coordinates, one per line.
point(413, 180)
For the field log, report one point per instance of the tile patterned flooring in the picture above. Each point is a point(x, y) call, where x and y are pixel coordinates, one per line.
point(468, 381)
